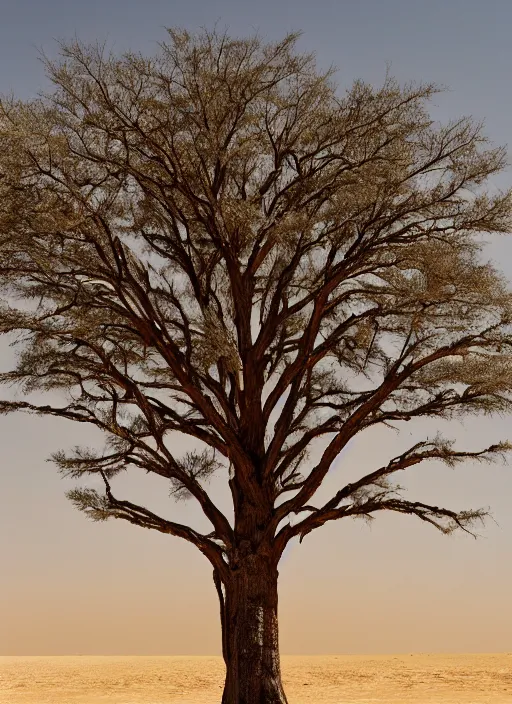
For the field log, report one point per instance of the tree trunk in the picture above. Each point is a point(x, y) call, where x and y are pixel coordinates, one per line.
point(250, 641)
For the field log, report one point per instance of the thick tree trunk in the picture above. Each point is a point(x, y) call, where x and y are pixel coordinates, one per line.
point(250, 634)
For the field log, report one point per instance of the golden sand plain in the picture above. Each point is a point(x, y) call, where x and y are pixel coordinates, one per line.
point(343, 679)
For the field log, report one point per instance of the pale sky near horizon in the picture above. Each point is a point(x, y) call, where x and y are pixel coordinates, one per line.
point(70, 586)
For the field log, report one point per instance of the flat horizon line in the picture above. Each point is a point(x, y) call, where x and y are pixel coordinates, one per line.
point(288, 655)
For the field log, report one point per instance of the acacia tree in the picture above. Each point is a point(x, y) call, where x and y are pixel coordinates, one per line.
point(214, 243)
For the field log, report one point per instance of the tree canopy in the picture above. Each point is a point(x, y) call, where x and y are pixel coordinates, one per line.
point(215, 242)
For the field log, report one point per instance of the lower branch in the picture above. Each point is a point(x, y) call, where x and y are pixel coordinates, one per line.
point(364, 503)
point(443, 519)
point(100, 508)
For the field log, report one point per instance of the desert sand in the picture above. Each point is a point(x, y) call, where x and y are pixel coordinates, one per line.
point(343, 679)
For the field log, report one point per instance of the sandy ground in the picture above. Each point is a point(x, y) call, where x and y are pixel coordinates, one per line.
point(453, 679)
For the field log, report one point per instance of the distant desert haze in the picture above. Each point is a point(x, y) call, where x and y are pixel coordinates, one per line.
point(343, 679)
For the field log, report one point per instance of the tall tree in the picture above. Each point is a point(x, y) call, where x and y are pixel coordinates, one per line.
point(213, 242)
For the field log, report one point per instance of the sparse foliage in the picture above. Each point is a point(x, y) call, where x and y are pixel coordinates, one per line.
point(214, 243)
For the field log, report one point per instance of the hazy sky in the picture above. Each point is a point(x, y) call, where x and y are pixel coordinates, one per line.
point(68, 585)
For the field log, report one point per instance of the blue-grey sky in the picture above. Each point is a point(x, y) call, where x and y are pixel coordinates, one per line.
point(70, 586)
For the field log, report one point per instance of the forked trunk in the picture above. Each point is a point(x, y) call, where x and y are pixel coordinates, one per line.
point(250, 634)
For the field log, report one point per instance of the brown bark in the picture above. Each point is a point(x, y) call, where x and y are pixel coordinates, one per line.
point(250, 633)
